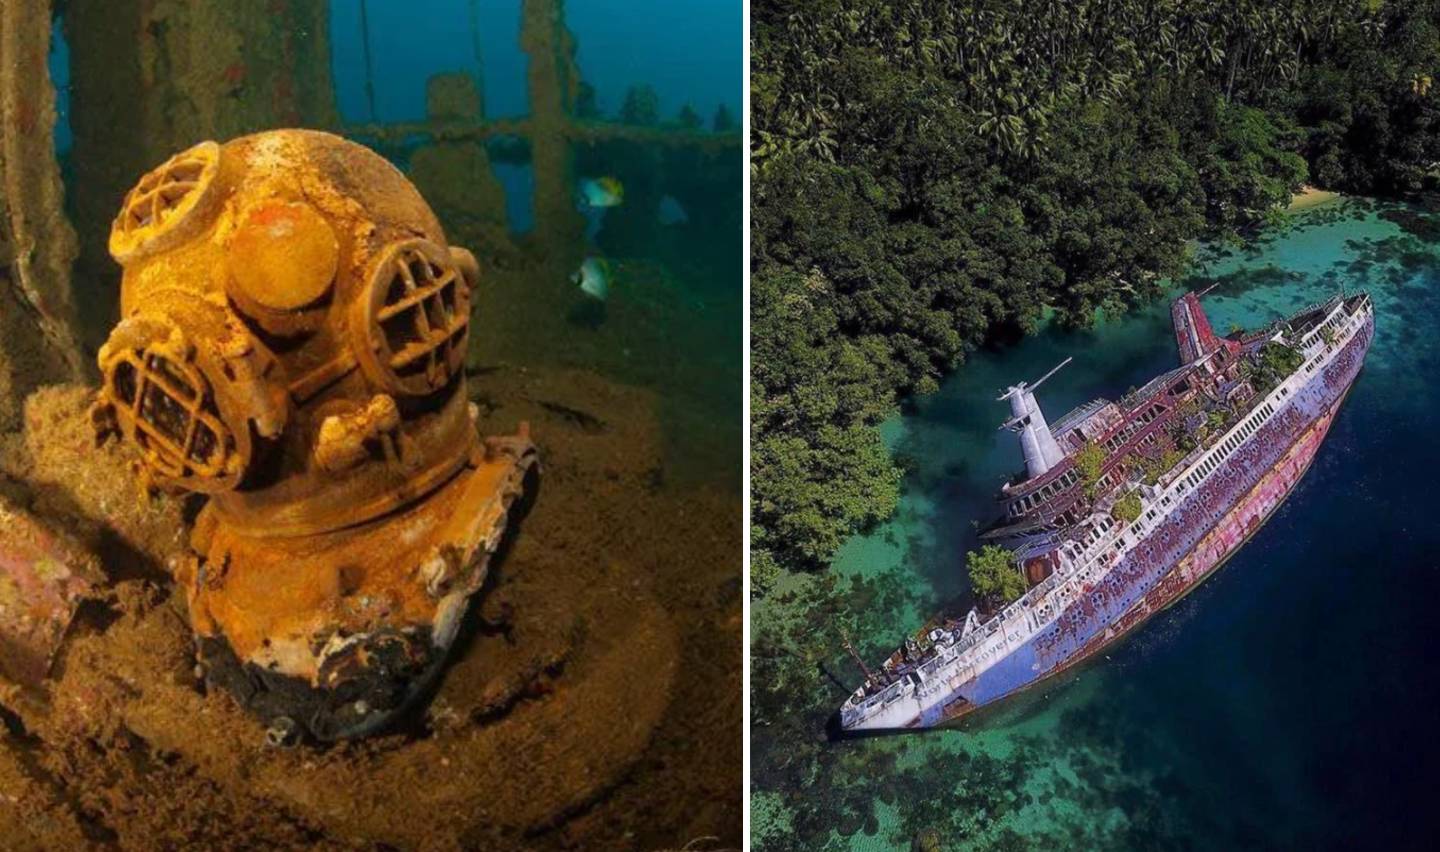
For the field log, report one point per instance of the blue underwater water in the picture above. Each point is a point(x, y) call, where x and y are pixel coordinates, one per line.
point(687, 52)
point(58, 61)
point(1286, 703)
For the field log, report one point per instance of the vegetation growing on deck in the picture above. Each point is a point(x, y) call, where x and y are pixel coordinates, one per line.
point(1272, 364)
point(1089, 459)
point(994, 578)
point(1127, 509)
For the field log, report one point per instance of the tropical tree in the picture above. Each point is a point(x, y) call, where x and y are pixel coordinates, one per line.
point(995, 579)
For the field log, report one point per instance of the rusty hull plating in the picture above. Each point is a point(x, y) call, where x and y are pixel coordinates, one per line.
point(292, 341)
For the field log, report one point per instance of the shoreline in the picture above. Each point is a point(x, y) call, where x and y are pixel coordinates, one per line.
point(1310, 197)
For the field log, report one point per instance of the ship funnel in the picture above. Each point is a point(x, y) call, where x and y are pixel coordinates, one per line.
point(1036, 442)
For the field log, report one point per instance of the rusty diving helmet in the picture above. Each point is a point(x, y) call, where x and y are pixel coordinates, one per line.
point(292, 342)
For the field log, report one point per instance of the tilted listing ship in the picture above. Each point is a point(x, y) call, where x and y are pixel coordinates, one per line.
point(1124, 507)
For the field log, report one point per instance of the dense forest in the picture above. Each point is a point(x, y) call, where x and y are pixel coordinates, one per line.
point(933, 176)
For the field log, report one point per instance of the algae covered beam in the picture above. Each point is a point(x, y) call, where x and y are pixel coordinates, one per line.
point(575, 131)
point(37, 244)
point(551, 69)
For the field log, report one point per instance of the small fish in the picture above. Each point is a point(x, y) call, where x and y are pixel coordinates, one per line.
point(601, 192)
point(671, 213)
point(593, 276)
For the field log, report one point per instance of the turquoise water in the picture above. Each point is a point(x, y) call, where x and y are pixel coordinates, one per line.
point(1284, 704)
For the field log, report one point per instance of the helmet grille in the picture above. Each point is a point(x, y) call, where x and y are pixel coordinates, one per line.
point(168, 410)
point(419, 309)
point(163, 199)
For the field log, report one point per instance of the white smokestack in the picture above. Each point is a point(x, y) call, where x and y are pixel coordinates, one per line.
point(1036, 442)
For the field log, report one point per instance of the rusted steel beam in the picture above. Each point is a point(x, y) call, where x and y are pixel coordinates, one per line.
point(605, 131)
point(37, 244)
point(559, 226)
point(574, 130)
point(443, 131)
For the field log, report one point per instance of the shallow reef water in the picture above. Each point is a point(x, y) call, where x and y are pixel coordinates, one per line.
point(1283, 704)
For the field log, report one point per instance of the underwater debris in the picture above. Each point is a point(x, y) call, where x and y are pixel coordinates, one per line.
point(292, 344)
point(43, 578)
point(593, 276)
point(597, 193)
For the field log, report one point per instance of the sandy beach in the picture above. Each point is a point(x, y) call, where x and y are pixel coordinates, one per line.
point(1309, 197)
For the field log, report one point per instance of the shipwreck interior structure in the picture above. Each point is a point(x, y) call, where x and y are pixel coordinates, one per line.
point(632, 555)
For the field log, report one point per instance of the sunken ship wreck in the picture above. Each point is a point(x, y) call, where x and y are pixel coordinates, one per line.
point(1123, 507)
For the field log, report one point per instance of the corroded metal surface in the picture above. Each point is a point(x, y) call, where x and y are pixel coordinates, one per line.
point(291, 343)
point(43, 578)
point(38, 342)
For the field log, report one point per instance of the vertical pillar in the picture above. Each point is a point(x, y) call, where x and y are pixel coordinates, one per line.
point(37, 245)
point(559, 227)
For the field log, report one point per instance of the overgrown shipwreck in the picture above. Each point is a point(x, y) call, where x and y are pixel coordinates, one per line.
point(1124, 507)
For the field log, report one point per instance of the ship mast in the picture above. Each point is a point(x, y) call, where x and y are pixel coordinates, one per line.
point(845, 638)
point(1036, 442)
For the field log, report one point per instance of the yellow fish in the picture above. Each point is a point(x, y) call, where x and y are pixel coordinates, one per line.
point(602, 192)
point(593, 276)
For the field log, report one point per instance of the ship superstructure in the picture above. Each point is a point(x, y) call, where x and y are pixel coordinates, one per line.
point(1125, 506)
